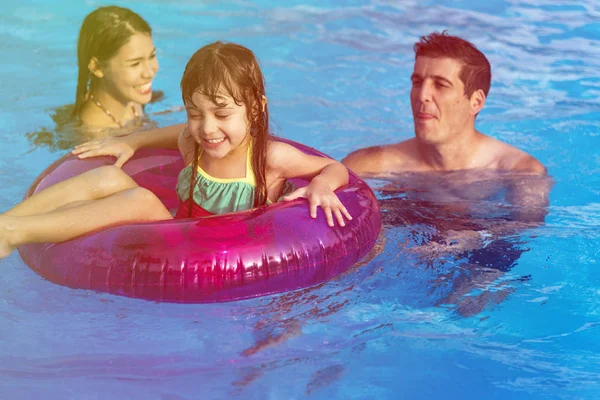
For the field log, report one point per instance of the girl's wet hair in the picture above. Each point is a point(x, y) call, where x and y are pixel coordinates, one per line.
point(103, 32)
point(230, 69)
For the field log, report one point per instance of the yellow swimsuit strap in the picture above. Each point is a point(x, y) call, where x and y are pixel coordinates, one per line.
point(249, 178)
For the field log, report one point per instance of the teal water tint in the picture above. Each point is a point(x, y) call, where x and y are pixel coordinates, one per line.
point(395, 326)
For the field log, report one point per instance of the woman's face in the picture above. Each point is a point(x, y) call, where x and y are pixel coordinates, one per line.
point(128, 76)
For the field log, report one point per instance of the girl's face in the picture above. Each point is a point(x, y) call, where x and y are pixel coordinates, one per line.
point(221, 129)
point(128, 76)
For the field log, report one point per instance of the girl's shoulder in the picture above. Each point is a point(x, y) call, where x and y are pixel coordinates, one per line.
point(277, 148)
point(278, 152)
point(274, 144)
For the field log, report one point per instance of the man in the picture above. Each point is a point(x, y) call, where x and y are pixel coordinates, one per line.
point(448, 172)
point(450, 83)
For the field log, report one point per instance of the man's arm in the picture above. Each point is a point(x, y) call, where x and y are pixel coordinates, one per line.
point(528, 195)
point(528, 188)
point(528, 198)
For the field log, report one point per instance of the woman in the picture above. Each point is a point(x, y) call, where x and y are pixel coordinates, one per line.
point(117, 63)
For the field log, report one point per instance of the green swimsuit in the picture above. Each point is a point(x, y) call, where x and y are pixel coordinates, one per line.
point(219, 195)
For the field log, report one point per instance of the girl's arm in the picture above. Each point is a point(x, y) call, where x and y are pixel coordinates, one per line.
point(123, 147)
point(326, 176)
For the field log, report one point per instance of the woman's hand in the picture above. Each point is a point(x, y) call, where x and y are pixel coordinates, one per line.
point(111, 146)
point(318, 194)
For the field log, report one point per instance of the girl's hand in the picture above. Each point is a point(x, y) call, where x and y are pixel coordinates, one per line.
point(320, 194)
point(112, 146)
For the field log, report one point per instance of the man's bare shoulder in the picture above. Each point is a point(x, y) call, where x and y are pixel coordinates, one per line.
point(379, 160)
point(366, 161)
point(510, 158)
point(529, 164)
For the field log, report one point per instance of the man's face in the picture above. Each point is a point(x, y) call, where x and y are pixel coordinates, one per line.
point(441, 110)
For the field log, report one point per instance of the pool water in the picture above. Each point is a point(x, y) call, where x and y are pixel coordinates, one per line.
point(401, 324)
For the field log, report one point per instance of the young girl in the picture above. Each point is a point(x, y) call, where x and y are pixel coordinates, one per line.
point(117, 63)
point(232, 162)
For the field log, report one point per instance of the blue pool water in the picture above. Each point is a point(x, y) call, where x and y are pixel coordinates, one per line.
point(396, 326)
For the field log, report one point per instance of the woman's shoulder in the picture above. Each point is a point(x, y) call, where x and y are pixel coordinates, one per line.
point(138, 110)
point(92, 118)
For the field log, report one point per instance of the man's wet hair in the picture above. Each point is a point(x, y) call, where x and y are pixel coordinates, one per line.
point(475, 73)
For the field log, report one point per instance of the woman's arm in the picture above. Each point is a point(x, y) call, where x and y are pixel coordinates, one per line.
point(123, 147)
point(165, 138)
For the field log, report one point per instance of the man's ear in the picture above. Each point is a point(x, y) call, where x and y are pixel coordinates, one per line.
point(94, 68)
point(477, 101)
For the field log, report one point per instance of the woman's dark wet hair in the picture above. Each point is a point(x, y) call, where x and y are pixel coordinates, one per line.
point(231, 69)
point(103, 32)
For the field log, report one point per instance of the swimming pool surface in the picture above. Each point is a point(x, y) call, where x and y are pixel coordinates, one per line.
point(396, 326)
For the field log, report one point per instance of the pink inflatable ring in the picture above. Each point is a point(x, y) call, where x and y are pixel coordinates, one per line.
point(219, 258)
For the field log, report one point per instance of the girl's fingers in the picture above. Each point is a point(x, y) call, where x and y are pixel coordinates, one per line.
point(336, 210)
point(345, 212)
point(295, 194)
point(339, 217)
point(313, 210)
point(328, 215)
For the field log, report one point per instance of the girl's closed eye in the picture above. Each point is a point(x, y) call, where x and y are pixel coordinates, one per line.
point(194, 115)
